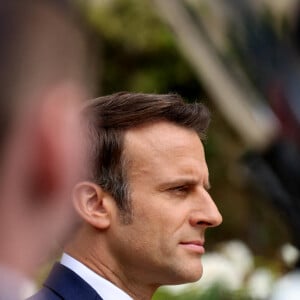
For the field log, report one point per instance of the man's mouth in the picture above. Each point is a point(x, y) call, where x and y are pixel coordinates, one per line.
point(196, 246)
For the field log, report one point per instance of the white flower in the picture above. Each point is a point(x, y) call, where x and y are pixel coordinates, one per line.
point(288, 287)
point(289, 254)
point(239, 255)
point(217, 269)
point(260, 283)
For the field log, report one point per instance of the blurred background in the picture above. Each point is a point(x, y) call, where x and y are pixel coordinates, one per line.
point(241, 58)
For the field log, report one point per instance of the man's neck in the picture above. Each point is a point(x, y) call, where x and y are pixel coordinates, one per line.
point(101, 267)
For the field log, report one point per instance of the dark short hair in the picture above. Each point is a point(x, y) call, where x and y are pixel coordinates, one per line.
point(109, 117)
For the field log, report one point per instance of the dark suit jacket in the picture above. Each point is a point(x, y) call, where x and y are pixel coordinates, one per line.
point(62, 283)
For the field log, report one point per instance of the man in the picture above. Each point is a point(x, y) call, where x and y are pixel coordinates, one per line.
point(145, 204)
point(43, 63)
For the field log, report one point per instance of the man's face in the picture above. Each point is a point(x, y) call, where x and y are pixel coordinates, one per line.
point(168, 181)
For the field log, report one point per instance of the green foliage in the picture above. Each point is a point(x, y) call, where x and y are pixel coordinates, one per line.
point(134, 23)
point(216, 292)
point(139, 52)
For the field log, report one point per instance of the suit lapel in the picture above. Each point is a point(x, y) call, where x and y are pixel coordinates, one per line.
point(69, 285)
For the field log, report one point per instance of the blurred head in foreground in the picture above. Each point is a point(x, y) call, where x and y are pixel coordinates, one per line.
point(43, 78)
point(145, 205)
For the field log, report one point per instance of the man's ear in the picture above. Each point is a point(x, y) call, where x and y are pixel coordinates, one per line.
point(92, 203)
point(46, 146)
point(45, 150)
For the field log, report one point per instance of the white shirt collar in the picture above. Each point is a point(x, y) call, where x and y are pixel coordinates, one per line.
point(105, 289)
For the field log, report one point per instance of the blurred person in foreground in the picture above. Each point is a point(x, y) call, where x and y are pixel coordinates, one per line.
point(43, 78)
point(144, 204)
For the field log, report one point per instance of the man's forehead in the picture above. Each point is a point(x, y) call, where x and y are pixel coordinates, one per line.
point(158, 130)
point(161, 139)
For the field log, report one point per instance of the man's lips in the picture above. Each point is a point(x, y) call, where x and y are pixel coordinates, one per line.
point(196, 246)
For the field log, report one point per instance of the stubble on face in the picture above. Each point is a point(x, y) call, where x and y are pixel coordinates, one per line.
point(149, 246)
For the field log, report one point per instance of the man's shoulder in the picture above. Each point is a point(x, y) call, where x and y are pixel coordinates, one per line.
point(63, 283)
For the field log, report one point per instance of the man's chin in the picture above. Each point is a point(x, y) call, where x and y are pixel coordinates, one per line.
point(193, 271)
point(194, 277)
point(188, 276)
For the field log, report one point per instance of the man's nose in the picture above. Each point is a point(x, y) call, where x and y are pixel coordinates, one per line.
point(206, 213)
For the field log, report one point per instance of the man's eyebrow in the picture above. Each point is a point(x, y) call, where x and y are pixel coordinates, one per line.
point(184, 181)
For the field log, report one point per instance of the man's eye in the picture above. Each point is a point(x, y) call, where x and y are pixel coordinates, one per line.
point(182, 189)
